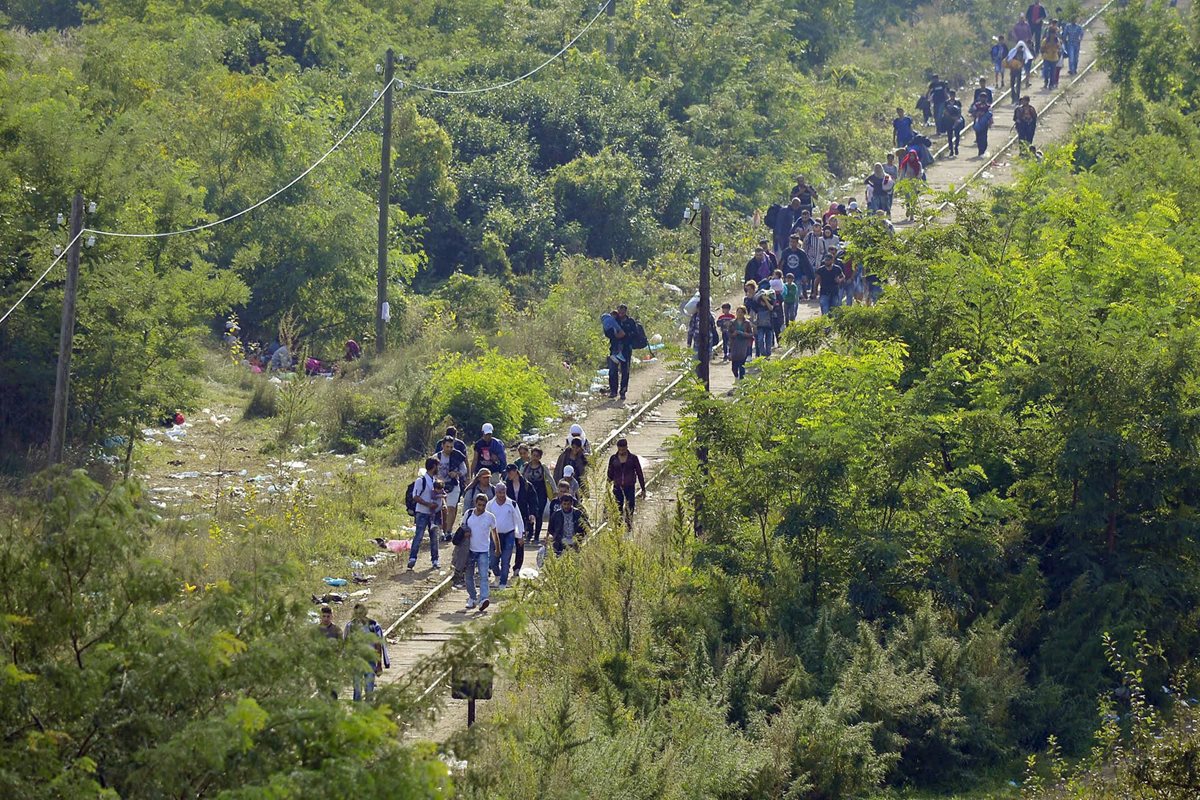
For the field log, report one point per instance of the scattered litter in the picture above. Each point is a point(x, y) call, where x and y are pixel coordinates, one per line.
point(202, 456)
point(356, 565)
point(180, 476)
point(335, 581)
point(275, 380)
point(361, 593)
point(150, 433)
point(659, 346)
point(673, 289)
point(398, 545)
point(295, 464)
point(656, 339)
point(986, 175)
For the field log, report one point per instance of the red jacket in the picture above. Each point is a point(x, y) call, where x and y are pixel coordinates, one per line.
point(626, 475)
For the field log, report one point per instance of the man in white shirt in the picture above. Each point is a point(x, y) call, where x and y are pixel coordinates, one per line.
point(427, 507)
point(481, 527)
point(509, 527)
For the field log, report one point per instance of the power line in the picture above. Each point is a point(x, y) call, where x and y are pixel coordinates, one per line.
point(41, 277)
point(482, 89)
point(262, 202)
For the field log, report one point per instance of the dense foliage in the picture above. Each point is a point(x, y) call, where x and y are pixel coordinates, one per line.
point(917, 537)
point(174, 113)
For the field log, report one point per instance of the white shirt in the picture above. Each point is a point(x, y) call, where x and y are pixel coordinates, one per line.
point(508, 518)
point(480, 526)
point(424, 491)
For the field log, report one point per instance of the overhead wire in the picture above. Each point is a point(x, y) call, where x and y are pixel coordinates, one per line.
point(505, 84)
point(41, 277)
point(337, 144)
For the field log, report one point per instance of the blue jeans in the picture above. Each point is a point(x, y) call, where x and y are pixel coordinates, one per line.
point(364, 685)
point(762, 340)
point(424, 523)
point(502, 559)
point(790, 310)
point(1073, 58)
point(828, 303)
point(1048, 71)
point(478, 562)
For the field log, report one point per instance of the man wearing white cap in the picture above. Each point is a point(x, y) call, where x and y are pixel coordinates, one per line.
point(489, 452)
point(577, 433)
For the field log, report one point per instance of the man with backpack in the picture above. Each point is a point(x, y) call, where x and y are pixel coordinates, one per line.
point(423, 504)
point(627, 336)
point(489, 452)
point(782, 221)
point(1025, 121)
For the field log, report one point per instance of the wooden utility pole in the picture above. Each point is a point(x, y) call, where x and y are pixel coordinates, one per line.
point(66, 336)
point(385, 196)
point(704, 345)
point(610, 43)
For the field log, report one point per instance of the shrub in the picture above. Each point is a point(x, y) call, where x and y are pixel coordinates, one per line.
point(264, 402)
point(510, 393)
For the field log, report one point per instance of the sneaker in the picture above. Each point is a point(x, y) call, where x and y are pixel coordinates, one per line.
point(483, 606)
point(411, 564)
point(618, 357)
point(471, 604)
point(622, 397)
point(436, 565)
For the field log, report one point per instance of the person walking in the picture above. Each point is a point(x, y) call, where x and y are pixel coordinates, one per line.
point(1025, 121)
point(567, 523)
point(785, 218)
point(794, 261)
point(625, 473)
point(758, 268)
point(741, 343)
point(829, 284)
point(999, 54)
point(1072, 35)
point(1035, 15)
point(892, 171)
point(327, 627)
point(938, 92)
point(576, 432)
point(876, 185)
point(510, 526)
point(362, 628)
point(573, 457)
point(790, 298)
point(623, 341)
point(489, 452)
point(759, 308)
point(952, 121)
point(981, 122)
point(521, 494)
point(540, 481)
point(482, 537)
point(902, 128)
point(1051, 50)
point(805, 193)
point(724, 320)
point(429, 508)
point(452, 471)
point(1019, 59)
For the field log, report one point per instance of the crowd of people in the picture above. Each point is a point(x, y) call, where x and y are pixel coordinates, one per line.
point(509, 505)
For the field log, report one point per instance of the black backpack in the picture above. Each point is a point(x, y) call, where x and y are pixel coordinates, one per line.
point(410, 500)
point(772, 215)
point(638, 340)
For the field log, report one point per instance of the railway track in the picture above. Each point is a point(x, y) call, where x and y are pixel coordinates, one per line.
point(652, 424)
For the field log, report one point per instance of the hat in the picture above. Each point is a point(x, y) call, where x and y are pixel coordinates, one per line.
point(487, 427)
point(576, 430)
point(853, 205)
point(512, 467)
point(568, 471)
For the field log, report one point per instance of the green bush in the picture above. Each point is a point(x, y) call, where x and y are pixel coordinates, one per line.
point(510, 393)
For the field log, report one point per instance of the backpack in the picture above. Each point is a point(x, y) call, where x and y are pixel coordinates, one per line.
point(772, 215)
point(638, 340)
point(410, 499)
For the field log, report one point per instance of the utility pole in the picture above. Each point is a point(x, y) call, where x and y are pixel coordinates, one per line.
point(610, 43)
point(385, 196)
point(66, 336)
point(705, 347)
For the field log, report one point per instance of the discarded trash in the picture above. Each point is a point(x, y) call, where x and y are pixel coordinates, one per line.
point(656, 347)
point(656, 339)
point(179, 476)
point(673, 289)
point(336, 581)
point(361, 593)
point(295, 464)
point(398, 545)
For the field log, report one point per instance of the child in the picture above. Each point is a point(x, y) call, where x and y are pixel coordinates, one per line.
point(777, 282)
point(725, 323)
point(791, 297)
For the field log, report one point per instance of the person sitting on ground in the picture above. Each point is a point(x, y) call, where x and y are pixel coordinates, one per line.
point(281, 360)
point(353, 350)
point(573, 457)
point(568, 524)
point(489, 452)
